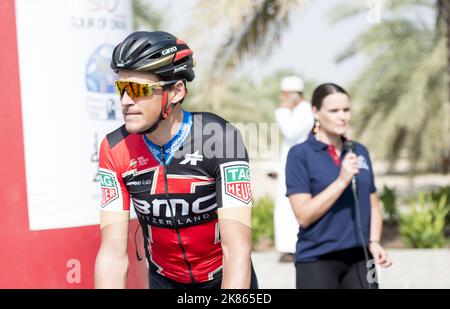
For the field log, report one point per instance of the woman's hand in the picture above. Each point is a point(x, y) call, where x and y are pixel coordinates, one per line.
point(289, 100)
point(380, 255)
point(349, 168)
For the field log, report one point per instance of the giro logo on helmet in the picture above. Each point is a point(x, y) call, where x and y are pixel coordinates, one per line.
point(169, 50)
point(156, 52)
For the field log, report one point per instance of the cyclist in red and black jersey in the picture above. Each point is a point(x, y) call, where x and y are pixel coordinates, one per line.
point(186, 175)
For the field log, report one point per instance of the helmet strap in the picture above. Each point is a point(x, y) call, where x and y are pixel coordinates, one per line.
point(165, 112)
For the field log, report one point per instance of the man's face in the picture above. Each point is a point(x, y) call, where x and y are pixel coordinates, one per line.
point(140, 113)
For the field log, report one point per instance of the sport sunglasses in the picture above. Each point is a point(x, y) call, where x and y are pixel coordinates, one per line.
point(138, 90)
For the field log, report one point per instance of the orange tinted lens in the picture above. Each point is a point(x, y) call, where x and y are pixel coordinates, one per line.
point(119, 89)
point(134, 90)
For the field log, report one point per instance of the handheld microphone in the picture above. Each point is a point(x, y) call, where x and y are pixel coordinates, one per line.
point(349, 147)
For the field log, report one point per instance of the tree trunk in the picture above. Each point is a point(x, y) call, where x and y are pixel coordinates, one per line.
point(443, 24)
point(446, 16)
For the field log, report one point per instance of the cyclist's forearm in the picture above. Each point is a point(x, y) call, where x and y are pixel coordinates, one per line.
point(236, 269)
point(110, 273)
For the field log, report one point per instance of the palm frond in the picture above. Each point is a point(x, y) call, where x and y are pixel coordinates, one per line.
point(250, 27)
point(146, 16)
point(344, 10)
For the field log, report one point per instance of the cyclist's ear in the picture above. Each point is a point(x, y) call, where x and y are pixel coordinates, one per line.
point(178, 92)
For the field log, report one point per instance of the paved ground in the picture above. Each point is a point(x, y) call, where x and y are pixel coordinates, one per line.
point(413, 268)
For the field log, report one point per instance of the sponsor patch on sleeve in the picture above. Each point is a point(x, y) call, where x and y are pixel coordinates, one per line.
point(111, 193)
point(236, 188)
point(363, 163)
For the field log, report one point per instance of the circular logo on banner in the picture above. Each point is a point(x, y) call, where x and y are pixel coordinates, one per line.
point(102, 102)
point(99, 76)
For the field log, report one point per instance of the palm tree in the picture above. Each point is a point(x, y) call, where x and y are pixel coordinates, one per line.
point(401, 97)
point(145, 16)
point(408, 69)
point(251, 28)
point(443, 20)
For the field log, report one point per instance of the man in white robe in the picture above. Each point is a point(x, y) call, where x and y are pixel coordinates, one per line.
point(295, 119)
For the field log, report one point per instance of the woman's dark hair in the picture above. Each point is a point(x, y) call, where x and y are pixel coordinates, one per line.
point(324, 90)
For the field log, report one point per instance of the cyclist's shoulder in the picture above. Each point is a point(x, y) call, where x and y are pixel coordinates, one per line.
point(119, 147)
point(119, 138)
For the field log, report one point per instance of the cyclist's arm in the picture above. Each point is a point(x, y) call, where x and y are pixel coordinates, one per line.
point(234, 201)
point(236, 238)
point(111, 265)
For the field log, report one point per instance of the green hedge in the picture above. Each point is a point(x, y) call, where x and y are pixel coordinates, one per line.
point(262, 220)
point(424, 226)
point(389, 200)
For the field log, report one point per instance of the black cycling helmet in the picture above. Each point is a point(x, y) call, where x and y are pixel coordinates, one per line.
point(157, 52)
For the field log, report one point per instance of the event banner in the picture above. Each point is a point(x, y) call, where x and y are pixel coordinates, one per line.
point(68, 103)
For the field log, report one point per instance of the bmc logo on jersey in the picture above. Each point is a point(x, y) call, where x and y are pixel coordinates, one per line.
point(237, 182)
point(109, 187)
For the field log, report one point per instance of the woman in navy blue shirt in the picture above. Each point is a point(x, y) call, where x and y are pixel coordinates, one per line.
point(329, 252)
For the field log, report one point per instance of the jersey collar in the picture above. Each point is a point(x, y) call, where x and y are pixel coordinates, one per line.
point(174, 143)
point(318, 145)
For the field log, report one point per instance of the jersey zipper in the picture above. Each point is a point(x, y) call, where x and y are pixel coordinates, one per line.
point(166, 185)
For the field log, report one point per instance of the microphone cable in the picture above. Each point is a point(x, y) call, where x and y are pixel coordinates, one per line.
point(359, 226)
point(349, 146)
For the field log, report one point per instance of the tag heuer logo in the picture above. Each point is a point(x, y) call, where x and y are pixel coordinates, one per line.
point(109, 188)
point(237, 182)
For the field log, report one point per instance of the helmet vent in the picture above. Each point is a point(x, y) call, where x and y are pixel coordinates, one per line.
point(155, 56)
point(180, 61)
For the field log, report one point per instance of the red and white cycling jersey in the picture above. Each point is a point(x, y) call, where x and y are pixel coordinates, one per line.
point(202, 168)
